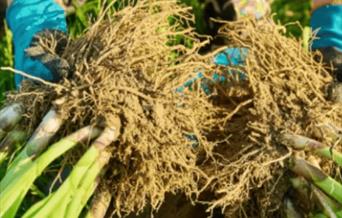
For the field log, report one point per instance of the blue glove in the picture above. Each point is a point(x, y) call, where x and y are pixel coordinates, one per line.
point(27, 18)
point(229, 57)
point(328, 20)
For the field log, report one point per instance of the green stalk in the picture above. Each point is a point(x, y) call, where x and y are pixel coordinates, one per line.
point(304, 188)
point(338, 214)
point(13, 210)
point(38, 142)
point(84, 192)
point(325, 202)
point(88, 186)
point(3, 156)
point(81, 183)
point(290, 210)
point(306, 38)
point(14, 186)
point(66, 191)
point(36, 207)
point(90, 183)
point(330, 186)
point(299, 142)
point(100, 203)
point(9, 117)
point(318, 216)
point(13, 138)
point(46, 130)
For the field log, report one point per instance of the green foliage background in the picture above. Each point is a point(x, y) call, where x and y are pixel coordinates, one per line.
point(6, 59)
point(288, 11)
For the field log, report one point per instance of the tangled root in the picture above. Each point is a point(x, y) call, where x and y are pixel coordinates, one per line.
point(219, 148)
point(286, 92)
point(124, 69)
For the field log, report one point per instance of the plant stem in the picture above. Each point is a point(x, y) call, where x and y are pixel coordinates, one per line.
point(81, 183)
point(305, 189)
point(290, 210)
point(46, 130)
point(100, 203)
point(9, 117)
point(325, 202)
point(19, 178)
point(317, 177)
point(65, 193)
point(40, 138)
point(299, 142)
point(6, 146)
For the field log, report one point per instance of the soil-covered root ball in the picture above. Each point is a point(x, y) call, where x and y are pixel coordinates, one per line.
point(285, 91)
point(132, 65)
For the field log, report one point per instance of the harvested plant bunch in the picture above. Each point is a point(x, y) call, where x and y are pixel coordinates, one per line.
point(328, 196)
point(128, 66)
point(285, 91)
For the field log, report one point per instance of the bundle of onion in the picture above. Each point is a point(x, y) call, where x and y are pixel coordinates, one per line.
point(327, 191)
point(128, 67)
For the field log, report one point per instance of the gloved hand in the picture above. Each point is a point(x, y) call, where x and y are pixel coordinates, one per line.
point(29, 19)
point(32, 21)
point(229, 57)
point(50, 58)
point(327, 21)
